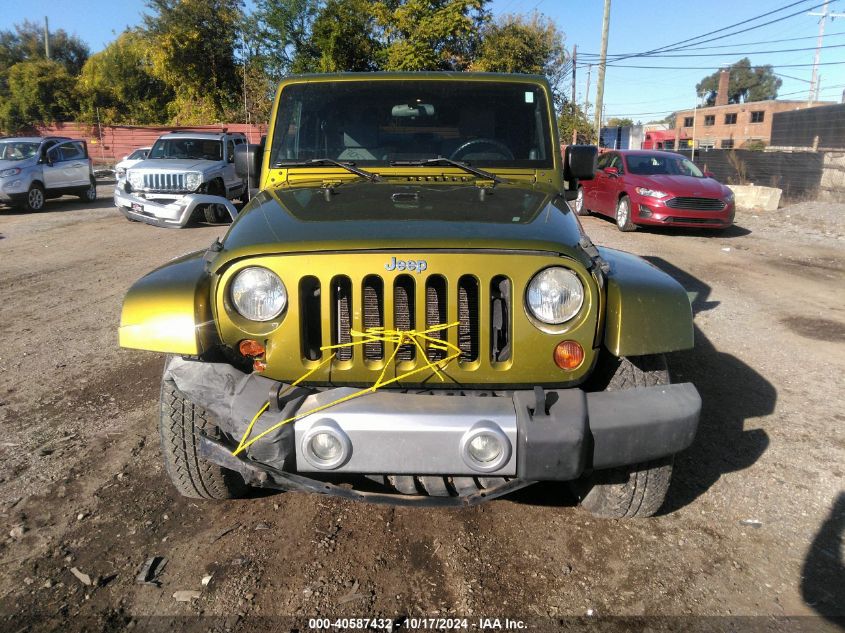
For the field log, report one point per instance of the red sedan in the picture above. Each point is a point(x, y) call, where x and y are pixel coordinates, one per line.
point(655, 188)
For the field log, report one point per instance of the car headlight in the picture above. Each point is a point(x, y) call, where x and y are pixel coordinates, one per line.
point(651, 193)
point(136, 179)
point(193, 179)
point(258, 294)
point(729, 197)
point(120, 172)
point(554, 295)
point(14, 171)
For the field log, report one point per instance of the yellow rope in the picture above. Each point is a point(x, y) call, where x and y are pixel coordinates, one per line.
point(371, 335)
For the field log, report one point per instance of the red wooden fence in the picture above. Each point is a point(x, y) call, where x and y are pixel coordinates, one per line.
point(108, 144)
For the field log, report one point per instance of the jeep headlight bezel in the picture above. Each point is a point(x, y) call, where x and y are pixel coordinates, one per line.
point(554, 296)
point(193, 180)
point(258, 294)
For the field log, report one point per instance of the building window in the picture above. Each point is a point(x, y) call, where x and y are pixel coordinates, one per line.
point(730, 119)
point(709, 119)
point(727, 143)
point(669, 144)
point(757, 116)
point(687, 121)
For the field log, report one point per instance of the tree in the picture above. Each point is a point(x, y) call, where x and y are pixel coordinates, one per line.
point(192, 50)
point(284, 30)
point(516, 44)
point(118, 81)
point(429, 34)
point(572, 118)
point(343, 38)
point(26, 43)
point(746, 84)
point(38, 92)
point(618, 122)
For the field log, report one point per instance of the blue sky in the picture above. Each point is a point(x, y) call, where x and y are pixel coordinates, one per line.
point(635, 26)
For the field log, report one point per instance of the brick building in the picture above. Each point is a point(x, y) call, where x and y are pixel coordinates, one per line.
point(729, 126)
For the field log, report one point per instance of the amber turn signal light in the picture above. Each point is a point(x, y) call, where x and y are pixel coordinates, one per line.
point(249, 347)
point(569, 355)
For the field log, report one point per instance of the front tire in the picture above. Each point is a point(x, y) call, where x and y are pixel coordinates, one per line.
point(623, 215)
point(579, 207)
point(636, 490)
point(180, 426)
point(35, 198)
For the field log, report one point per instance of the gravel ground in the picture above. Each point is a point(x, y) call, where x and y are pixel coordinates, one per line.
point(750, 537)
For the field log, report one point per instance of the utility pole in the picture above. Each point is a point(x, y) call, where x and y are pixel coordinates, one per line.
point(605, 27)
point(574, 102)
point(815, 80)
point(46, 38)
point(587, 93)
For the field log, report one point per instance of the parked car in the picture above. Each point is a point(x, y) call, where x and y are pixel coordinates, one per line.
point(655, 188)
point(428, 324)
point(184, 173)
point(130, 160)
point(33, 169)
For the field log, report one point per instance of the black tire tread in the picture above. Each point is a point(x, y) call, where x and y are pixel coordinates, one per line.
point(181, 424)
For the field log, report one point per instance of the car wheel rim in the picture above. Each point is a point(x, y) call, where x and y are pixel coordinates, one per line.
point(579, 200)
point(36, 199)
point(622, 213)
point(91, 194)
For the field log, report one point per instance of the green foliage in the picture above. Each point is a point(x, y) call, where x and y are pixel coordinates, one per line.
point(26, 43)
point(281, 35)
point(343, 38)
point(572, 118)
point(38, 92)
point(118, 81)
point(516, 44)
point(618, 122)
point(429, 34)
point(746, 84)
point(191, 49)
point(755, 145)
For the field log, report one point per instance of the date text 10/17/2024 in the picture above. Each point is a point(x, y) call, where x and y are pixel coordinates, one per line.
point(417, 624)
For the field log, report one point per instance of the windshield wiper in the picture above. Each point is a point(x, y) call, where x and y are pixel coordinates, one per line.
point(329, 161)
point(441, 160)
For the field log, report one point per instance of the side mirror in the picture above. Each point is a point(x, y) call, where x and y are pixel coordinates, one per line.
point(248, 162)
point(710, 174)
point(611, 171)
point(579, 163)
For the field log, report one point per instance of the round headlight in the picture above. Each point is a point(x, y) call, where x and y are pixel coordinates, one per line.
point(258, 294)
point(555, 295)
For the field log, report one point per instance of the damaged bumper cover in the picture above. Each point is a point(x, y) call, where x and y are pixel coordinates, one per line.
point(175, 214)
point(542, 435)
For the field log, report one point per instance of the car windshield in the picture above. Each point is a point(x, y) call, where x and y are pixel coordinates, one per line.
point(138, 154)
point(378, 122)
point(190, 148)
point(660, 165)
point(17, 150)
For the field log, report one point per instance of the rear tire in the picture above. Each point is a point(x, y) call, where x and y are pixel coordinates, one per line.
point(636, 490)
point(623, 215)
point(180, 426)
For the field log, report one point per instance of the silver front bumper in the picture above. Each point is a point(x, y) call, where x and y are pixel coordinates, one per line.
point(176, 214)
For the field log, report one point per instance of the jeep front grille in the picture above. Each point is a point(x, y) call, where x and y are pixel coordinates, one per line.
point(164, 182)
point(409, 293)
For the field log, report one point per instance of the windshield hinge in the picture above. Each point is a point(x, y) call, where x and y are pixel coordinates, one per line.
point(328, 188)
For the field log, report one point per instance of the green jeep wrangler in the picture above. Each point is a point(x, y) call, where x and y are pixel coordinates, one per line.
point(409, 312)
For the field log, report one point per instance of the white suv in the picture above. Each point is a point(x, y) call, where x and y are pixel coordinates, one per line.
point(33, 169)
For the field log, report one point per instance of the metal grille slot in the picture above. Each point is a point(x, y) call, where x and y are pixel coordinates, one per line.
point(164, 182)
point(403, 313)
point(500, 329)
point(435, 313)
point(373, 294)
point(342, 317)
point(311, 336)
point(696, 204)
point(468, 318)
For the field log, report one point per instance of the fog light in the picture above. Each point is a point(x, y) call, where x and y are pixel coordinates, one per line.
point(325, 446)
point(484, 448)
point(645, 212)
point(569, 355)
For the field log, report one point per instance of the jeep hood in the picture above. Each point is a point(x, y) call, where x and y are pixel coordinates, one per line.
point(389, 216)
point(173, 165)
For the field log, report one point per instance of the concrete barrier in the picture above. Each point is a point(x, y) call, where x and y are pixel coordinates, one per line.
point(750, 197)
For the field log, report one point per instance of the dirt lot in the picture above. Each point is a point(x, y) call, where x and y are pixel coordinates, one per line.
point(753, 525)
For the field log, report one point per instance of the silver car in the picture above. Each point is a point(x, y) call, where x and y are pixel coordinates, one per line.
point(33, 169)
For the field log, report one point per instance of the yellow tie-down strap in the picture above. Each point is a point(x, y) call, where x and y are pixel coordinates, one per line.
point(371, 335)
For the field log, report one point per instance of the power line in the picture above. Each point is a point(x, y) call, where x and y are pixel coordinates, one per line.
point(711, 67)
point(743, 53)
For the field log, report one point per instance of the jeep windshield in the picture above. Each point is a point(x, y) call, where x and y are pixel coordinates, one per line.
point(17, 150)
point(190, 148)
point(379, 122)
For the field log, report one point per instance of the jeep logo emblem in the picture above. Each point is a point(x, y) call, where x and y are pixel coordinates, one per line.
point(415, 265)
